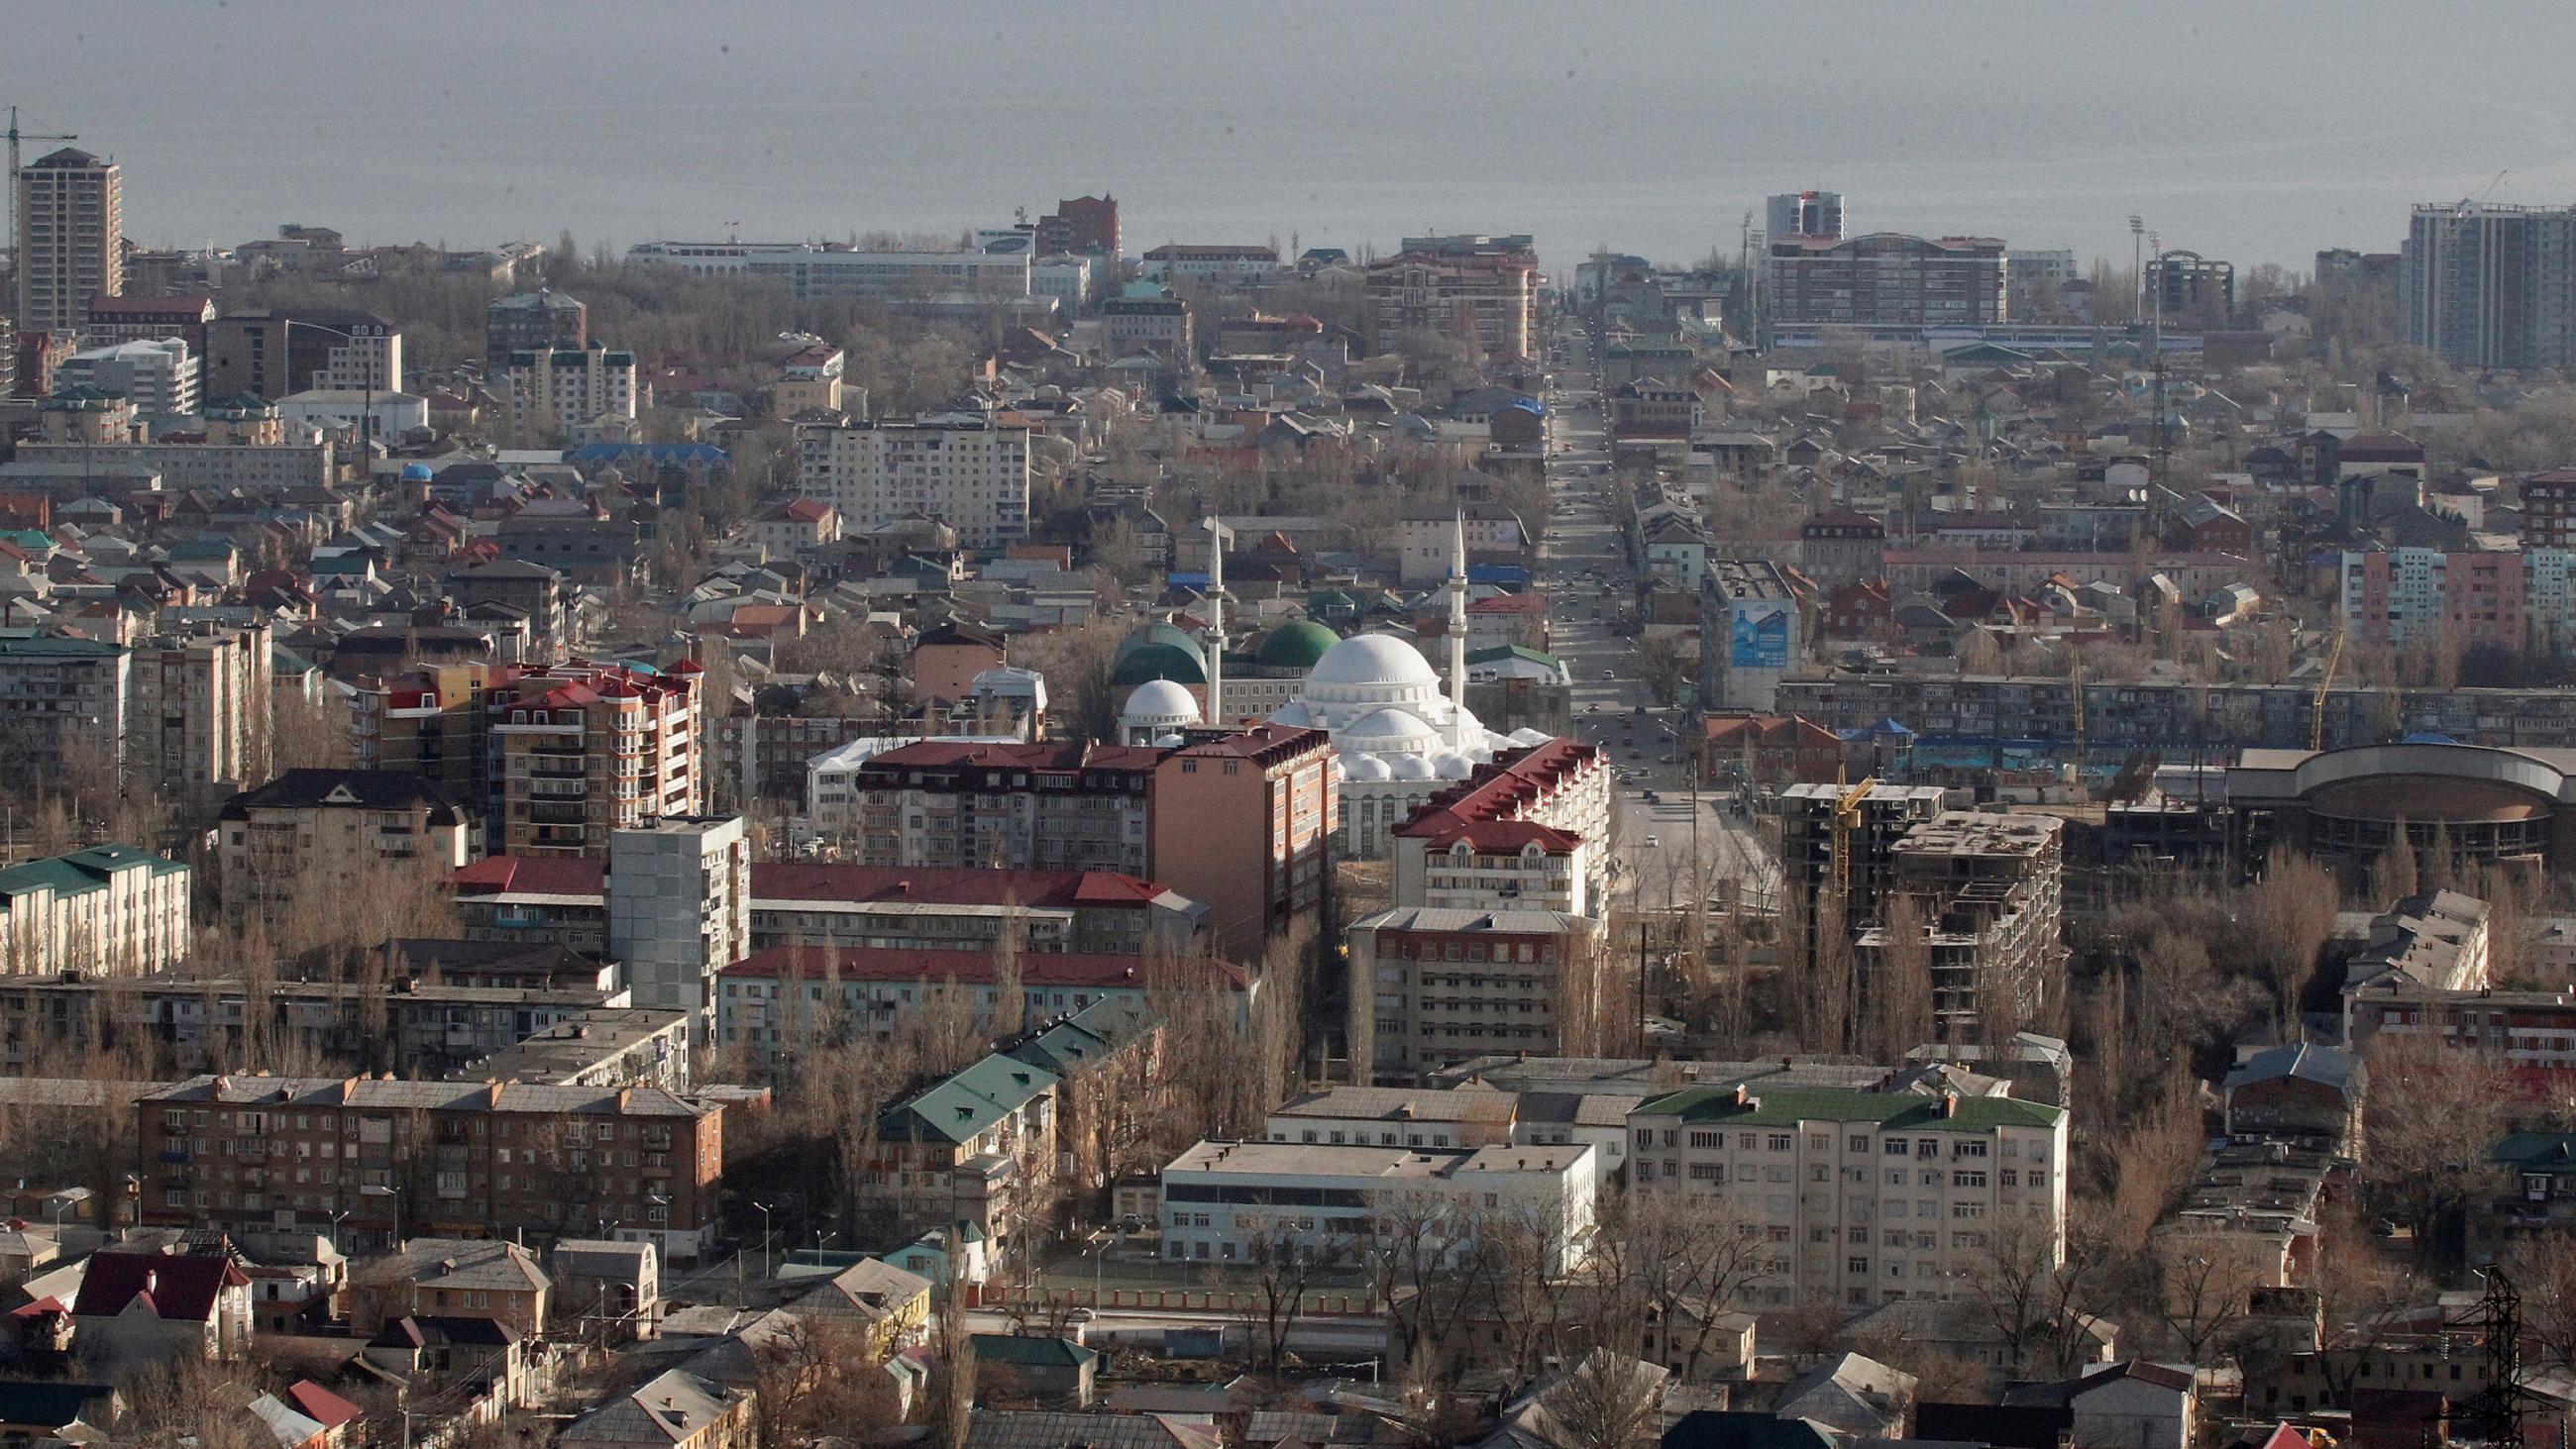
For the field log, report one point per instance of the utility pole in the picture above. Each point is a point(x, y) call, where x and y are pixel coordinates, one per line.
point(17, 258)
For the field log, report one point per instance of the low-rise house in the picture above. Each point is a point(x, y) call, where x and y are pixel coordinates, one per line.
point(605, 1288)
point(1033, 1371)
point(491, 1278)
point(2302, 1093)
point(483, 1361)
point(2133, 1404)
point(1859, 1396)
point(69, 1413)
point(671, 1410)
point(893, 1303)
point(136, 1308)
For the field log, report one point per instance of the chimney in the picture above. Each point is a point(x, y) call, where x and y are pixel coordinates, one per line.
point(1742, 1097)
point(151, 1280)
point(1949, 1103)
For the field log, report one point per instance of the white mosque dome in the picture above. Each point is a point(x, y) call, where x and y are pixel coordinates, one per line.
point(1524, 737)
point(1295, 714)
point(1169, 742)
point(1409, 767)
point(1453, 766)
point(1366, 768)
point(1159, 702)
point(1389, 730)
point(1372, 659)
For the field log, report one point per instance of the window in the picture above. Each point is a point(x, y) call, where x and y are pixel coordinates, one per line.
point(1967, 1179)
point(1856, 1265)
point(1858, 1142)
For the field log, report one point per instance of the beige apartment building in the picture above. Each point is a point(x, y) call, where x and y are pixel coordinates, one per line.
point(198, 719)
point(1448, 985)
point(70, 242)
point(584, 750)
point(313, 836)
point(109, 909)
point(1861, 1197)
point(1245, 821)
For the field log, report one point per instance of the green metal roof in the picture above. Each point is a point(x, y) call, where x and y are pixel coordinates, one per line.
point(55, 646)
point(1296, 645)
point(1158, 661)
point(81, 871)
point(2549, 1154)
point(966, 1103)
point(1512, 651)
point(1901, 1111)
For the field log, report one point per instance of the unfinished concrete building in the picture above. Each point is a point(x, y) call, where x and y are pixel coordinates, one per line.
point(1986, 888)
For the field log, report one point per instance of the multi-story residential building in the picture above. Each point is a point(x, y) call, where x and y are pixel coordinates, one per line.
point(966, 470)
point(2531, 1031)
point(1086, 225)
point(312, 837)
point(1157, 325)
point(1220, 1202)
point(811, 271)
point(2488, 285)
point(2549, 510)
point(1752, 632)
point(542, 596)
point(2187, 287)
point(1885, 279)
point(580, 750)
point(1986, 889)
point(270, 354)
point(809, 379)
point(1056, 806)
point(977, 1146)
point(1534, 822)
point(1244, 821)
point(199, 707)
point(156, 378)
point(786, 998)
point(2038, 283)
point(70, 245)
point(62, 700)
point(1210, 263)
point(1803, 214)
point(1443, 985)
point(215, 466)
point(533, 321)
point(549, 389)
point(430, 722)
point(113, 320)
point(2498, 599)
point(679, 910)
point(386, 1158)
point(1862, 1197)
point(1885, 813)
point(1427, 539)
point(202, 1023)
point(857, 907)
point(1485, 287)
point(109, 909)
point(1065, 280)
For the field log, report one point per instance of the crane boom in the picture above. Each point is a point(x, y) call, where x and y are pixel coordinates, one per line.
point(2317, 706)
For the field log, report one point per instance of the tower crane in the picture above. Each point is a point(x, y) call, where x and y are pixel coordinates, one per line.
point(2317, 706)
point(1847, 820)
point(17, 263)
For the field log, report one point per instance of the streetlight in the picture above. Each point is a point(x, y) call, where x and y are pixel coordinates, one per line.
point(366, 385)
point(764, 1239)
point(2138, 263)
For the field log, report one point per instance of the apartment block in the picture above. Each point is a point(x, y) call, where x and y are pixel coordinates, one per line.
point(580, 750)
point(1803, 214)
point(2486, 285)
point(215, 466)
point(1986, 888)
point(1056, 806)
point(1885, 280)
point(198, 716)
point(430, 722)
point(788, 997)
point(1886, 813)
point(977, 1146)
point(810, 379)
point(1527, 831)
point(270, 354)
point(530, 321)
point(385, 1159)
point(550, 389)
point(71, 238)
point(679, 910)
point(2500, 599)
point(109, 909)
point(1244, 821)
point(157, 378)
point(112, 320)
point(966, 470)
point(857, 907)
point(1210, 263)
point(62, 700)
point(312, 837)
point(811, 271)
point(1086, 225)
point(1485, 287)
point(1447, 985)
point(1862, 1197)
point(1221, 1201)
point(1158, 325)
point(2188, 288)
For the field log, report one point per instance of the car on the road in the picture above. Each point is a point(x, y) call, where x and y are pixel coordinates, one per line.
point(1652, 842)
point(1636, 754)
point(1653, 799)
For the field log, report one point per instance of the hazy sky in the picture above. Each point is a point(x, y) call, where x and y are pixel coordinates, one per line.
point(2253, 132)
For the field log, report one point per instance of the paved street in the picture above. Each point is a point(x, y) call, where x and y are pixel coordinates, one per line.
point(1585, 569)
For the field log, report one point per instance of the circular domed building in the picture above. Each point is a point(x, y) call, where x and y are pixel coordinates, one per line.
point(1162, 652)
point(1401, 739)
point(1156, 709)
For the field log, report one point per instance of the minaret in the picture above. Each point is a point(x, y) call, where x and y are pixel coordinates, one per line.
point(1458, 631)
point(1214, 639)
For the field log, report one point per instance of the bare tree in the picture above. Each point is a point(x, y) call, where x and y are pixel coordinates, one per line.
point(2291, 913)
point(1898, 990)
point(2434, 1110)
point(1606, 1401)
point(1285, 1256)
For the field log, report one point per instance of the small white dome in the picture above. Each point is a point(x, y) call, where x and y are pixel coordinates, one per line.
point(1295, 714)
point(1159, 701)
point(1409, 767)
point(1372, 659)
point(1364, 768)
point(1525, 737)
point(1453, 766)
point(1169, 742)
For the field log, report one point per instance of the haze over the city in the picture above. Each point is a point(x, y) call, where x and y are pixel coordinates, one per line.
point(2260, 135)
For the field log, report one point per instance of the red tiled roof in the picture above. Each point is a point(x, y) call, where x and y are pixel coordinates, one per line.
point(1495, 837)
point(319, 1404)
point(180, 1289)
point(808, 881)
point(1054, 756)
point(1078, 969)
point(531, 875)
point(1500, 791)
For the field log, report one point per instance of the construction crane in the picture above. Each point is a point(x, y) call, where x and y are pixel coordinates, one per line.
point(2075, 696)
point(1847, 820)
point(17, 264)
point(2317, 706)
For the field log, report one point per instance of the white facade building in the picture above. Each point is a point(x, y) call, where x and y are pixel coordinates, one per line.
point(1228, 1201)
point(552, 388)
point(156, 378)
point(831, 778)
point(809, 270)
point(392, 414)
point(679, 911)
point(961, 469)
point(110, 909)
point(1863, 1197)
point(1066, 280)
point(362, 356)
